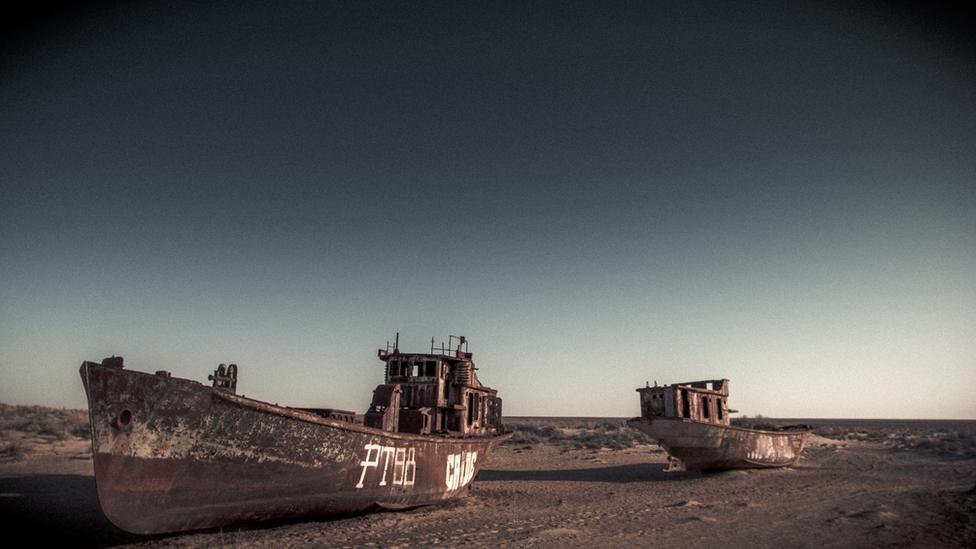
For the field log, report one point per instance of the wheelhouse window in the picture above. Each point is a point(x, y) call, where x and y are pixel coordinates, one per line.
point(706, 408)
point(471, 410)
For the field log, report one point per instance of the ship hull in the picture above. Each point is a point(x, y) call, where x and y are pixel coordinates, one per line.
point(707, 447)
point(172, 455)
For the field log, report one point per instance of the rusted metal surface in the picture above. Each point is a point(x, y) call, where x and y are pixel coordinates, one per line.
point(434, 393)
point(172, 454)
point(225, 378)
point(691, 422)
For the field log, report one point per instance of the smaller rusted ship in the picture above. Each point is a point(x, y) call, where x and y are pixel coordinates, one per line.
point(173, 454)
point(691, 422)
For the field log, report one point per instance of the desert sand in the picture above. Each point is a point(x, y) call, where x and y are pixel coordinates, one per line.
point(570, 482)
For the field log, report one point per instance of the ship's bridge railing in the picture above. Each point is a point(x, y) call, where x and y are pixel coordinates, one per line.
point(461, 351)
point(448, 351)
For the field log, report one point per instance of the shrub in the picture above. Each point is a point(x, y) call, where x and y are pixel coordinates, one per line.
point(10, 451)
point(42, 421)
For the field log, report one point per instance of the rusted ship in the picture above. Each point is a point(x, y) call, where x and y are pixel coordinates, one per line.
point(173, 454)
point(691, 422)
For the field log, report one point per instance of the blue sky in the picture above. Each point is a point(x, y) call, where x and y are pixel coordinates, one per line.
point(596, 195)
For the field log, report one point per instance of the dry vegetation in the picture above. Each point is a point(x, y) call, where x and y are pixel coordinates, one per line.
point(569, 434)
point(942, 438)
point(24, 428)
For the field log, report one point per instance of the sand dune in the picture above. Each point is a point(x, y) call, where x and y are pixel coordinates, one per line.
point(577, 482)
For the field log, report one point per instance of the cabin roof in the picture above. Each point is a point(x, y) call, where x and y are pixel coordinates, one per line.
point(427, 356)
point(718, 386)
point(722, 380)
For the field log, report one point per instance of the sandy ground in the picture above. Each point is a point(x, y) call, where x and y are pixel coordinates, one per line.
point(868, 484)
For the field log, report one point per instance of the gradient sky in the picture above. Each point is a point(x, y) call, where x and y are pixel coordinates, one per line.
point(596, 194)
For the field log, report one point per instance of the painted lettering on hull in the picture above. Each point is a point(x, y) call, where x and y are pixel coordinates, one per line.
point(460, 469)
point(404, 471)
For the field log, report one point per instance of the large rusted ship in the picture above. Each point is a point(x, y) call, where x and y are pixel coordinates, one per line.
point(173, 454)
point(691, 422)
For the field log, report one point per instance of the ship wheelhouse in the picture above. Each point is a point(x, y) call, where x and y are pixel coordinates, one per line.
point(437, 392)
point(700, 401)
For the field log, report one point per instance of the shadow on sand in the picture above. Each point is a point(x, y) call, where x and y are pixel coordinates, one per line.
point(63, 510)
point(57, 509)
point(640, 472)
